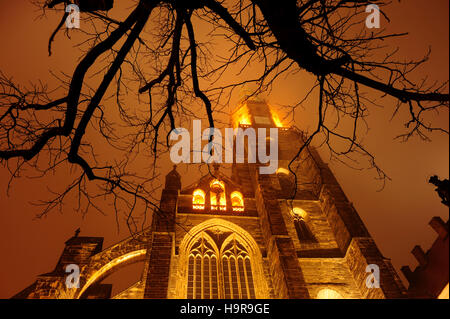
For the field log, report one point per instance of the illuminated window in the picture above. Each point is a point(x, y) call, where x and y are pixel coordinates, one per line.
point(198, 199)
point(237, 202)
point(276, 119)
point(302, 229)
point(203, 271)
point(329, 294)
point(233, 267)
point(242, 117)
point(299, 213)
point(245, 120)
point(218, 200)
point(237, 272)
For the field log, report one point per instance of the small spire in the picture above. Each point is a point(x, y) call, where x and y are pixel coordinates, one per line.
point(77, 232)
point(173, 179)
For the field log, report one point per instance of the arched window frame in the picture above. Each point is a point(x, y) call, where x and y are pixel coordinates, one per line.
point(240, 207)
point(287, 181)
point(248, 242)
point(198, 199)
point(302, 229)
point(203, 269)
point(214, 274)
point(240, 279)
point(221, 204)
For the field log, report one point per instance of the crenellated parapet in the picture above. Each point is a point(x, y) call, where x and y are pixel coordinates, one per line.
point(430, 278)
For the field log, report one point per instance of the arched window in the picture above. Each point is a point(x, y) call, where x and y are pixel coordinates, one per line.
point(237, 202)
point(203, 271)
point(198, 199)
point(237, 272)
point(232, 266)
point(287, 181)
point(218, 200)
point(302, 229)
point(329, 294)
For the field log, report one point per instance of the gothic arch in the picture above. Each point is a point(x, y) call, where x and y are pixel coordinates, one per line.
point(221, 226)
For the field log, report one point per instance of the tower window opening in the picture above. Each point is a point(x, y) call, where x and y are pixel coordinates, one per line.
point(287, 181)
point(198, 199)
point(237, 202)
point(218, 200)
point(304, 234)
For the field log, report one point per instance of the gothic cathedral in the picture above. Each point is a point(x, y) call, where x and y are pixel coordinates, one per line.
point(244, 236)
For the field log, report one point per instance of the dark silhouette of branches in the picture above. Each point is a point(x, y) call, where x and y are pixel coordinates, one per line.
point(156, 53)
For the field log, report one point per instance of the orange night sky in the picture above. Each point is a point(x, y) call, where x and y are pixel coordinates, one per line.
point(397, 217)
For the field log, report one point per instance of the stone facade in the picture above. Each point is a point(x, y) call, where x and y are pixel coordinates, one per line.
point(273, 259)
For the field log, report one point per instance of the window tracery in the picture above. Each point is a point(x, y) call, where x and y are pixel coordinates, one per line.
point(225, 273)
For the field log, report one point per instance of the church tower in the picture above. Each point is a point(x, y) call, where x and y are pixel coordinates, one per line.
point(244, 236)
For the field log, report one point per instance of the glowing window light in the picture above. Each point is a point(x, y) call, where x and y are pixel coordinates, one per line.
point(218, 200)
point(245, 120)
point(237, 202)
point(198, 199)
point(276, 120)
point(242, 117)
point(329, 294)
point(283, 171)
point(299, 213)
point(304, 233)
